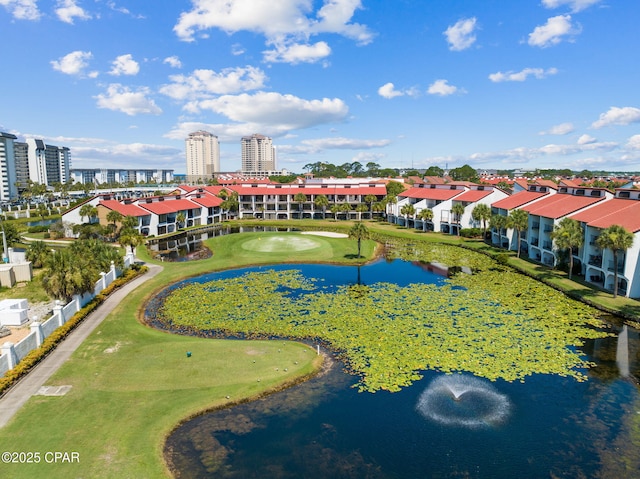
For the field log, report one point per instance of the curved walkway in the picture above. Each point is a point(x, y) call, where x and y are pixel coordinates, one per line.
point(30, 384)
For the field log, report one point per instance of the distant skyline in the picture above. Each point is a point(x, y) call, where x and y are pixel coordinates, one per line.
point(496, 84)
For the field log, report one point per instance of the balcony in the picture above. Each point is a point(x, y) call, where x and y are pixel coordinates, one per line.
point(535, 226)
point(546, 244)
point(548, 229)
point(534, 242)
point(595, 260)
point(610, 267)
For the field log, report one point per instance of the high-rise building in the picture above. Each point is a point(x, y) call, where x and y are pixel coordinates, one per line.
point(203, 155)
point(41, 163)
point(258, 154)
point(8, 190)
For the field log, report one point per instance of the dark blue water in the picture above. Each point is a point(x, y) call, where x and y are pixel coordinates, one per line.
point(546, 427)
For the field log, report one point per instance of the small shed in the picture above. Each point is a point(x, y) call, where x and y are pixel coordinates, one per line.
point(14, 312)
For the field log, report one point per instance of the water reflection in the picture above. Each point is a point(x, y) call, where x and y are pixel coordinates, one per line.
point(552, 427)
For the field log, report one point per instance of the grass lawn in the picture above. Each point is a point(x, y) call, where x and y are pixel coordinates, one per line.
point(131, 385)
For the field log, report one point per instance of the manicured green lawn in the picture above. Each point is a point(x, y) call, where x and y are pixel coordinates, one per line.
point(131, 385)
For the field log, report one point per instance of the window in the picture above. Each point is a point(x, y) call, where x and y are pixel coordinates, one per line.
point(579, 192)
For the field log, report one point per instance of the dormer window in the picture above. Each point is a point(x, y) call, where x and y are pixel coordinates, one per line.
point(579, 192)
point(624, 194)
point(596, 193)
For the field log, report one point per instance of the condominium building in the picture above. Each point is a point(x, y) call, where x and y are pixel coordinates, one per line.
point(8, 190)
point(258, 154)
point(203, 155)
point(40, 163)
point(100, 176)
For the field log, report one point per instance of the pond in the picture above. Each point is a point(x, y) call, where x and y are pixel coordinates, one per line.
point(444, 426)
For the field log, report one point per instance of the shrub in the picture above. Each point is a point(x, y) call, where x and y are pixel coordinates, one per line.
point(37, 229)
point(471, 232)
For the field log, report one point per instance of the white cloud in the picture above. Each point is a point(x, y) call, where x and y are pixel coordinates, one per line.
point(618, 116)
point(124, 65)
point(284, 22)
point(271, 114)
point(173, 62)
point(204, 83)
point(552, 32)
point(522, 75)
point(297, 53)
point(442, 88)
point(634, 142)
point(68, 10)
point(73, 63)
point(388, 91)
point(287, 111)
point(574, 5)
point(237, 49)
point(22, 9)
point(121, 98)
point(461, 35)
point(561, 129)
point(586, 140)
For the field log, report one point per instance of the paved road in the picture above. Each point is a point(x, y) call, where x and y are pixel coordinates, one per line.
point(13, 400)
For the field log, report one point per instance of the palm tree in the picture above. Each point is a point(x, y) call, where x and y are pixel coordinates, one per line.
point(129, 222)
point(519, 221)
point(482, 213)
point(335, 209)
point(499, 222)
point(37, 253)
point(617, 239)
point(300, 198)
point(345, 208)
point(231, 202)
point(407, 210)
point(180, 219)
point(131, 237)
point(359, 231)
point(426, 214)
point(88, 210)
point(321, 201)
point(567, 235)
point(361, 208)
point(458, 211)
point(370, 199)
point(113, 217)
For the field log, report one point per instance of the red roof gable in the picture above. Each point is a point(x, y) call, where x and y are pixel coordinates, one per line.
point(124, 209)
point(168, 206)
point(442, 194)
point(559, 205)
point(472, 196)
point(207, 201)
point(615, 211)
point(517, 200)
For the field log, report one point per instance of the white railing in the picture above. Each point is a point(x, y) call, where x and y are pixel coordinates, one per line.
point(12, 354)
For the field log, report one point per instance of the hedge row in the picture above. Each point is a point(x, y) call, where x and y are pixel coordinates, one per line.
point(36, 355)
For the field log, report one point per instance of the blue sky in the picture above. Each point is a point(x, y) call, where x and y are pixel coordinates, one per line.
point(494, 83)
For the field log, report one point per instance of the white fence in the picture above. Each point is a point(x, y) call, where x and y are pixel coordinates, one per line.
point(12, 354)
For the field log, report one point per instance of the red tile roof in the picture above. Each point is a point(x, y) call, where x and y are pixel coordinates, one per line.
point(559, 205)
point(442, 194)
point(124, 209)
point(377, 189)
point(168, 206)
point(517, 200)
point(616, 211)
point(472, 196)
point(208, 201)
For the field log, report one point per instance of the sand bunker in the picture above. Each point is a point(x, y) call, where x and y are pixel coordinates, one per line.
point(328, 234)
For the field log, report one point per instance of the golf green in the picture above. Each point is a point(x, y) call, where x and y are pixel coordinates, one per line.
point(280, 243)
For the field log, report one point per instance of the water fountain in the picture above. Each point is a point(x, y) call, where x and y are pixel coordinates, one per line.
point(461, 400)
